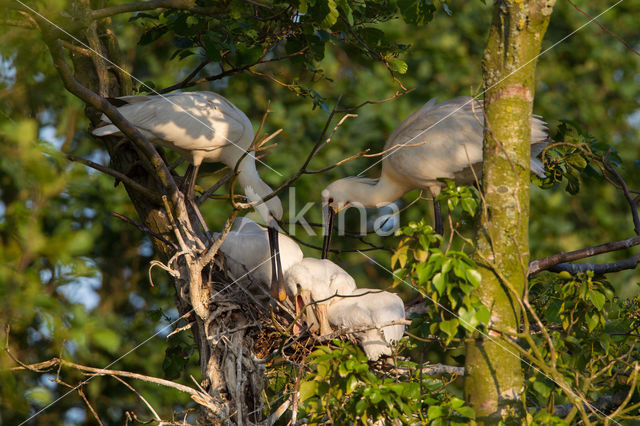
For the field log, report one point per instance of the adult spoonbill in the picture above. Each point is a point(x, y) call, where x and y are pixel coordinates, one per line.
point(440, 140)
point(246, 251)
point(318, 283)
point(369, 310)
point(203, 126)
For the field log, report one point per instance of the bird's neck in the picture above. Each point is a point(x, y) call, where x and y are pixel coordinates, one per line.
point(253, 185)
point(383, 192)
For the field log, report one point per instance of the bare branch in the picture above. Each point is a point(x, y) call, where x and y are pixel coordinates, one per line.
point(142, 398)
point(187, 82)
point(390, 98)
point(119, 176)
point(145, 230)
point(541, 264)
point(616, 36)
point(602, 268)
point(189, 5)
point(632, 203)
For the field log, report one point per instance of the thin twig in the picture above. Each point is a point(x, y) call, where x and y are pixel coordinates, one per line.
point(119, 176)
point(145, 230)
point(616, 36)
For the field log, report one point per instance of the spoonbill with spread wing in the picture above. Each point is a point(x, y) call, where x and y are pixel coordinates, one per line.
point(440, 140)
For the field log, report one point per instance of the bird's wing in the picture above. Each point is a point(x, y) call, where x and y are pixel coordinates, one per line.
point(434, 142)
point(189, 121)
point(248, 253)
point(350, 313)
point(384, 307)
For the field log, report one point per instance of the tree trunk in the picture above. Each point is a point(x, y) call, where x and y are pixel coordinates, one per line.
point(495, 381)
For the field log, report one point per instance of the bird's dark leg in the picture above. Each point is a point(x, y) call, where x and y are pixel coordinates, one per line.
point(188, 188)
point(189, 181)
point(437, 217)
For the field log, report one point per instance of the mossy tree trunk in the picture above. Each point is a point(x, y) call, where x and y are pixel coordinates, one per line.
point(495, 381)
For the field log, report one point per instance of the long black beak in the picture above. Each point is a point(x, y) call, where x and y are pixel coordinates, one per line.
point(326, 245)
point(277, 280)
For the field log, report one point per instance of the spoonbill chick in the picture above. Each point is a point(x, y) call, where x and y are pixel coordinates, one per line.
point(317, 282)
point(204, 126)
point(440, 140)
point(369, 310)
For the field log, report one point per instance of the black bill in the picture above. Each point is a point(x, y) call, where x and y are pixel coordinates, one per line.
point(277, 280)
point(326, 245)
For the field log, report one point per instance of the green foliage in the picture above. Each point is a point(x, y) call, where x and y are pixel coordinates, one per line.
point(446, 279)
point(592, 336)
point(466, 197)
point(341, 388)
point(575, 155)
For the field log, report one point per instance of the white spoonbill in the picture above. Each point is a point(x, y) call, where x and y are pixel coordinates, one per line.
point(367, 307)
point(317, 282)
point(246, 250)
point(203, 126)
point(441, 141)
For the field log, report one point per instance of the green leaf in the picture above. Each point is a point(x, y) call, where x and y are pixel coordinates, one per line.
point(468, 319)
point(542, 388)
point(325, 12)
point(439, 282)
point(598, 299)
point(435, 411)
point(470, 206)
point(592, 321)
point(474, 277)
point(450, 327)
point(308, 389)
point(399, 66)
point(352, 383)
point(466, 412)
point(376, 396)
point(417, 12)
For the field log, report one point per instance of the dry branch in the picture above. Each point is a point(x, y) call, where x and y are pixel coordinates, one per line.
point(541, 264)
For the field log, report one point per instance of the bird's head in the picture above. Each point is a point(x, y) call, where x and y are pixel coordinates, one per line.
point(337, 195)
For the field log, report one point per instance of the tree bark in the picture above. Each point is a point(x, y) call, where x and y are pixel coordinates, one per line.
point(495, 380)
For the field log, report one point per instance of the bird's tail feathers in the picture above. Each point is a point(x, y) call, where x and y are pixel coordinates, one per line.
point(109, 129)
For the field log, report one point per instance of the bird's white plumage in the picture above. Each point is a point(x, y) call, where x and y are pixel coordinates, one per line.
point(441, 140)
point(196, 124)
point(370, 308)
point(200, 126)
point(320, 277)
point(246, 250)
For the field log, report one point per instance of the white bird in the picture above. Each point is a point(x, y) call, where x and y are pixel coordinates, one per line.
point(317, 282)
point(246, 251)
point(440, 141)
point(204, 126)
point(372, 309)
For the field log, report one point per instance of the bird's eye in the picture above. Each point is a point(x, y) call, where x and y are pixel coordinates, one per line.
point(330, 200)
